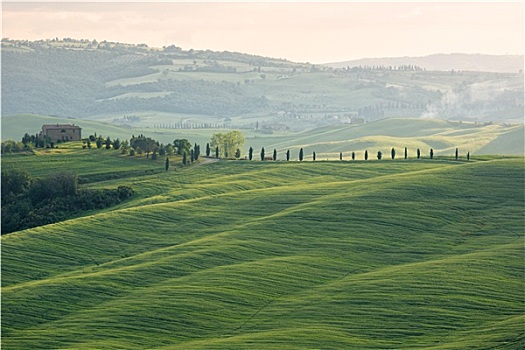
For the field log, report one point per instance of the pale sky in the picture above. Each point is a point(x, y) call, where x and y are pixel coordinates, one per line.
point(315, 32)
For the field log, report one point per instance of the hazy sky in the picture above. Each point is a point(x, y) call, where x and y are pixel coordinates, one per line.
point(315, 32)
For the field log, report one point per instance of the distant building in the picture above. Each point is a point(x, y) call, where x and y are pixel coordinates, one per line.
point(62, 132)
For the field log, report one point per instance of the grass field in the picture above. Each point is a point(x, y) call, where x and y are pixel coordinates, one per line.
point(276, 255)
point(441, 135)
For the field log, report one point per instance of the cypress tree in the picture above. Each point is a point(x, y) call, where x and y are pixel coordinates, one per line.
point(406, 153)
point(197, 152)
point(288, 155)
point(457, 153)
point(379, 155)
point(192, 156)
point(167, 165)
point(468, 155)
point(418, 153)
point(301, 155)
point(262, 153)
point(274, 154)
point(431, 153)
point(250, 153)
point(208, 150)
point(353, 155)
point(313, 156)
point(340, 155)
point(393, 152)
point(217, 152)
point(184, 160)
point(366, 155)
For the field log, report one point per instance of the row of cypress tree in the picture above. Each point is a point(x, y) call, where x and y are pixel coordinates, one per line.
point(379, 154)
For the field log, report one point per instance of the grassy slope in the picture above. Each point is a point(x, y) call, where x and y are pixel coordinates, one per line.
point(502, 143)
point(91, 165)
point(358, 255)
point(443, 136)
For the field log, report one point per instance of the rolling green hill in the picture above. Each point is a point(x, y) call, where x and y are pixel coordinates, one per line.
point(272, 255)
point(441, 135)
point(167, 86)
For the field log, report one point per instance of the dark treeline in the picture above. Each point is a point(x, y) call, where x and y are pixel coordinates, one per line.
point(404, 67)
point(29, 202)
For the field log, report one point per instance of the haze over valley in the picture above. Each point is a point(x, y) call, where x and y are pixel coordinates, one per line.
point(165, 87)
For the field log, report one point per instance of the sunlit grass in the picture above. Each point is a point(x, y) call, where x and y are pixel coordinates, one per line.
point(356, 255)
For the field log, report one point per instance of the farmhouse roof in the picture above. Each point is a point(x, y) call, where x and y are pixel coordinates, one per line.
point(59, 126)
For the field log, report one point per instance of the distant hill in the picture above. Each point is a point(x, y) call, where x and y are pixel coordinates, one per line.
point(445, 62)
point(169, 88)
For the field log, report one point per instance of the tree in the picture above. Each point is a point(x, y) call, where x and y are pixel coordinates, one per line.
point(353, 155)
point(431, 153)
point(154, 155)
point(192, 155)
point(26, 139)
point(108, 143)
point(184, 159)
point(167, 164)
point(262, 153)
point(379, 155)
point(237, 153)
point(340, 155)
point(228, 142)
point(14, 182)
point(196, 151)
point(366, 155)
point(468, 155)
point(99, 142)
point(217, 152)
point(288, 155)
point(57, 185)
point(274, 154)
point(145, 144)
point(162, 150)
point(116, 144)
point(301, 155)
point(418, 153)
point(182, 146)
point(169, 149)
point(457, 153)
point(313, 156)
point(393, 153)
point(406, 153)
point(208, 150)
point(250, 153)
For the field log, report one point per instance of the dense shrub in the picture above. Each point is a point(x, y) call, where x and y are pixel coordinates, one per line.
point(28, 202)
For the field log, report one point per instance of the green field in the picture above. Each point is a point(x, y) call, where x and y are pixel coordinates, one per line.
point(275, 255)
point(441, 135)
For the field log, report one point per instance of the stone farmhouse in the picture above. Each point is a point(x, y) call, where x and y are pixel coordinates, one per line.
point(62, 132)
